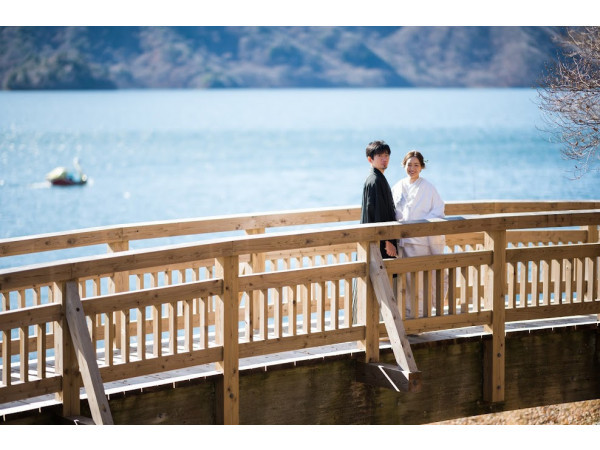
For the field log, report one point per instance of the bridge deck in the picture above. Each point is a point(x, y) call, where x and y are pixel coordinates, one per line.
point(183, 375)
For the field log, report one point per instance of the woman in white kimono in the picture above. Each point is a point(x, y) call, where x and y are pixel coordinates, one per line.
point(416, 198)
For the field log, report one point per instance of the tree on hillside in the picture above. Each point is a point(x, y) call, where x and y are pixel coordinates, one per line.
point(570, 99)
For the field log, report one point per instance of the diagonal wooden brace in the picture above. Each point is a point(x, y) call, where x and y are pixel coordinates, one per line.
point(406, 374)
point(86, 357)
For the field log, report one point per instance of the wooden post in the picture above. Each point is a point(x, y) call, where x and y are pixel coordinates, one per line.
point(226, 323)
point(119, 282)
point(65, 358)
point(367, 310)
point(258, 264)
point(86, 357)
point(494, 382)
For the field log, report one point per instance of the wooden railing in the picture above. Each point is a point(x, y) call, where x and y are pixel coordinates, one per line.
point(216, 301)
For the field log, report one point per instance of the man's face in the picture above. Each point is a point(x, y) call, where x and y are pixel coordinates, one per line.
point(380, 161)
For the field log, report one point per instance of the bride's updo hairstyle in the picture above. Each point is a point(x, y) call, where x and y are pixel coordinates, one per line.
point(415, 154)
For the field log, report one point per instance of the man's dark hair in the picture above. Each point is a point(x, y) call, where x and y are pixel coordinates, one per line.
point(377, 148)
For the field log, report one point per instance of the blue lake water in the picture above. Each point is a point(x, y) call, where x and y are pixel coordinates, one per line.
point(170, 154)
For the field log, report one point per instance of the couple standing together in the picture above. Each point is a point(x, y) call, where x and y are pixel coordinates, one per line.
point(411, 198)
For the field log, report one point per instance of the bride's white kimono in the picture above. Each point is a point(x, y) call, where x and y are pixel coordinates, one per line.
point(416, 201)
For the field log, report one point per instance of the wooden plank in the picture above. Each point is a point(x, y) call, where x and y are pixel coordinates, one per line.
point(435, 262)
point(553, 311)
point(86, 357)
point(555, 236)
point(552, 252)
point(32, 315)
point(33, 388)
point(308, 274)
point(310, 251)
point(153, 296)
point(389, 311)
point(160, 364)
point(301, 341)
point(446, 322)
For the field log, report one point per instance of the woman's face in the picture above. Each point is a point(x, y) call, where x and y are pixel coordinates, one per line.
point(413, 168)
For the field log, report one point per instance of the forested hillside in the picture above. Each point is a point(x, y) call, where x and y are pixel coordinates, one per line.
point(261, 57)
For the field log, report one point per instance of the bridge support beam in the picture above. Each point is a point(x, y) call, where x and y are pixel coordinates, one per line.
point(494, 358)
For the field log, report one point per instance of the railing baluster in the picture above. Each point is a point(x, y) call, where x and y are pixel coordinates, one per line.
point(439, 292)
point(278, 312)
point(511, 278)
point(320, 296)
point(264, 314)
point(545, 282)
point(40, 336)
point(334, 307)
point(6, 342)
point(203, 313)
point(568, 267)
point(452, 291)
point(293, 310)
point(475, 283)
point(579, 279)
point(426, 293)
point(464, 287)
point(23, 342)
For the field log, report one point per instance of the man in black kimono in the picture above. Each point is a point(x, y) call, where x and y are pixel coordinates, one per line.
point(377, 201)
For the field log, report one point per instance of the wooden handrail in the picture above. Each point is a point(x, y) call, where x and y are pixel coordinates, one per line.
point(138, 259)
point(152, 230)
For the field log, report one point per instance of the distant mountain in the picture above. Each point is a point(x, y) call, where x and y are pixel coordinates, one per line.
point(265, 57)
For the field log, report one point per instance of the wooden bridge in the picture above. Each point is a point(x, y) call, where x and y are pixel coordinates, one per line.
point(293, 281)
